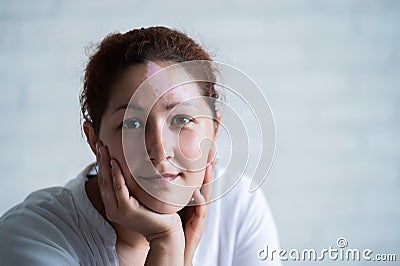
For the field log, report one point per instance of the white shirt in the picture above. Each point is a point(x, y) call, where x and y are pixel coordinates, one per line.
point(60, 226)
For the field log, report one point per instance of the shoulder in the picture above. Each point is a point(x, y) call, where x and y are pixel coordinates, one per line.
point(240, 223)
point(41, 202)
point(46, 205)
point(233, 190)
point(238, 199)
point(38, 226)
point(251, 216)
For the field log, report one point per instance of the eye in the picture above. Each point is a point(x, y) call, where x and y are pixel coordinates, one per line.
point(181, 120)
point(132, 124)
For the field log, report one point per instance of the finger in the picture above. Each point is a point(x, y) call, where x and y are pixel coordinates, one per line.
point(120, 189)
point(202, 206)
point(197, 220)
point(105, 180)
point(211, 155)
point(211, 163)
point(206, 190)
point(198, 197)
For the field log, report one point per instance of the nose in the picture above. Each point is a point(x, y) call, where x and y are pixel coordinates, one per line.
point(158, 142)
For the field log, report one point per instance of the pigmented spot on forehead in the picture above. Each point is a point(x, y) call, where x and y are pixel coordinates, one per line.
point(161, 78)
point(164, 85)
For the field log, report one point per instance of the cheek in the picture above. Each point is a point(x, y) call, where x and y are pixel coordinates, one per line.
point(194, 179)
point(113, 144)
point(132, 149)
point(134, 152)
point(116, 146)
point(116, 152)
point(193, 149)
point(189, 145)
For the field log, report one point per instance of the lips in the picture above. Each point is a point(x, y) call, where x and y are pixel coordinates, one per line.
point(161, 178)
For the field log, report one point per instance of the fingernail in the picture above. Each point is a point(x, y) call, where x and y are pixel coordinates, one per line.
point(97, 148)
point(101, 151)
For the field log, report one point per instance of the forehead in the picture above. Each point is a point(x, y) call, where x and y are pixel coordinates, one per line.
point(153, 82)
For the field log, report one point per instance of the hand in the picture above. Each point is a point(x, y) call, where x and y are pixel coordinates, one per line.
point(195, 216)
point(163, 231)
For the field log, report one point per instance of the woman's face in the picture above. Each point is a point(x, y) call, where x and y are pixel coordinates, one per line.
point(161, 138)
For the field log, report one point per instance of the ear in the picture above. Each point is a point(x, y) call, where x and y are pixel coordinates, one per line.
point(91, 136)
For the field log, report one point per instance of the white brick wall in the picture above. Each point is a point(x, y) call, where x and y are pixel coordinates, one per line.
point(330, 70)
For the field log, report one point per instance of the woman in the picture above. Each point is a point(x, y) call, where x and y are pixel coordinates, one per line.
point(146, 200)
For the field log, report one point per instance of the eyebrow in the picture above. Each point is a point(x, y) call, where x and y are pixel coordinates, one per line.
point(130, 106)
point(169, 106)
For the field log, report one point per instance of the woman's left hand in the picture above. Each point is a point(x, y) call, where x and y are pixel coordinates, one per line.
point(194, 217)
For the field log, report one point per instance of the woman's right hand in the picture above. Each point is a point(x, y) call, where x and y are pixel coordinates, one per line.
point(164, 232)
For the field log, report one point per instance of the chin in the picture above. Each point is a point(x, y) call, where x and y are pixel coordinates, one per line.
point(160, 206)
point(165, 208)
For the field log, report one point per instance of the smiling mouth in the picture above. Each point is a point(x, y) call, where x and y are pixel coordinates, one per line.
point(160, 178)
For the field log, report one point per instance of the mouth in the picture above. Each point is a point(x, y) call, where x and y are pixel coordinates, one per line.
point(163, 178)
